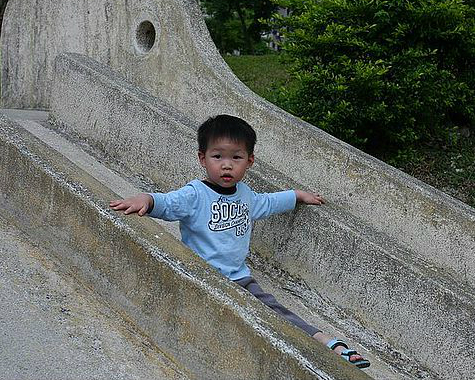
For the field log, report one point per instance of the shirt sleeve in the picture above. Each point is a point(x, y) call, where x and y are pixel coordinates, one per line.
point(175, 205)
point(267, 204)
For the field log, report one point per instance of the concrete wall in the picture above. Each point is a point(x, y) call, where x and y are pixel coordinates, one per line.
point(109, 31)
point(206, 325)
point(379, 281)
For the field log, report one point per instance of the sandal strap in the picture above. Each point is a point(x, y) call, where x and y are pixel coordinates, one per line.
point(360, 363)
point(334, 343)
point(348, 353)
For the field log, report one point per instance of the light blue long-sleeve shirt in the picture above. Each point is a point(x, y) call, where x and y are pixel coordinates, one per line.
point(218, 227)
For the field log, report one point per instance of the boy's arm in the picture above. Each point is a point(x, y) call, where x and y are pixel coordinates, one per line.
point(139, 204)
point(266, 204)
point(309, 198)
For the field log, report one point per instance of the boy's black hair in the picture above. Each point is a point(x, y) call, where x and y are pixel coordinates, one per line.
point(226, 126)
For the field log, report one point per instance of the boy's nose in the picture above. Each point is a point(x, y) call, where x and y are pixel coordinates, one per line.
point(227, 165)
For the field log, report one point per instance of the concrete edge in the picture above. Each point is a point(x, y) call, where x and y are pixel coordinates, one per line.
point(438, 231)
point(278, 234)
point(195, 78)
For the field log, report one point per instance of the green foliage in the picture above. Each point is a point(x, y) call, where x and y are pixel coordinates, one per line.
point(384, 75)
point(447, 164)
point(235, 24)
point(226, 35)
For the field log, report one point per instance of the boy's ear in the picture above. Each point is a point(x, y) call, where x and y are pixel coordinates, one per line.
point(250, 161)
point(201, 157)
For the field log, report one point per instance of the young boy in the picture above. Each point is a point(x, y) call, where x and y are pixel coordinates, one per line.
point(216, 214)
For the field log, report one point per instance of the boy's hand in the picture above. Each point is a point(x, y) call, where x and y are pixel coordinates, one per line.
point(309, 198)
point(139, 204)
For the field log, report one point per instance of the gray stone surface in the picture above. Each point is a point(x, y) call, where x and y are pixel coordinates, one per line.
point(406, 247)
point(111, 32)
point(201, 320)
point(52, 327)
point(387, 362)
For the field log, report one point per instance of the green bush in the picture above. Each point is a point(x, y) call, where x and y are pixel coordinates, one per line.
point(382, 75)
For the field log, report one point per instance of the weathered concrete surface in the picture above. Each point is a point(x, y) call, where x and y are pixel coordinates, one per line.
point(148, 275)
point(53, 328)
point(411, 246)
point(384, 285)
point(183, 67)
point(386, 362)
point(110, 31)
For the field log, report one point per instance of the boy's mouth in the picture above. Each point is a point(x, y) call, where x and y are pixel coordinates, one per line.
point(227, 177)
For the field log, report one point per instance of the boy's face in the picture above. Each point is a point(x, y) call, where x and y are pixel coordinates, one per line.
point(226, 161)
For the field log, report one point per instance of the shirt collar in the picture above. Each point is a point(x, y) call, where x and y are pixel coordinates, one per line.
point(219, 189)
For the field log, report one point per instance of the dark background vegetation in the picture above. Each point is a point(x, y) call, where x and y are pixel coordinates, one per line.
point(3, 5)
point(394, 78)
point(235, 25)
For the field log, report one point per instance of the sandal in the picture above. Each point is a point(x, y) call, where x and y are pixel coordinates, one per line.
point(347, 353)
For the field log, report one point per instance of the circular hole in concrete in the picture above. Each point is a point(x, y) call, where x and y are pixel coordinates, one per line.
point(145, 36)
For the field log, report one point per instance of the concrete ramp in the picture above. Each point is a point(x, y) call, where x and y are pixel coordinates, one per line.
point(163, 47)
point(52, 326)
point(391, 253)
point(206, 325)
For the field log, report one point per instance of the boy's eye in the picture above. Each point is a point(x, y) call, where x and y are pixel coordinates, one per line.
point(218, 156)
point(237, 157)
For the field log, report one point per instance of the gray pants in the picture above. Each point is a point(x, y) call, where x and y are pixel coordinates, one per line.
point(252, 286)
